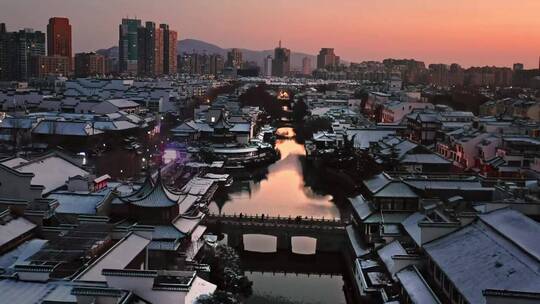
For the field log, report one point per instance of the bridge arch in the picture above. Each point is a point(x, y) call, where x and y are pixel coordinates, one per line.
point(306, 245)
point(262, 243)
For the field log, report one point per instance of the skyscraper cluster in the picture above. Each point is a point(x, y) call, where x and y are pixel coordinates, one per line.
point(16, 51)
point(23, 56)
point(200, 64)
point(148, 50)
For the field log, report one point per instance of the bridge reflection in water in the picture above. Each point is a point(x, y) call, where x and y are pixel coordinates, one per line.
point(284, 277)
point(290, 263)
point(268, 244)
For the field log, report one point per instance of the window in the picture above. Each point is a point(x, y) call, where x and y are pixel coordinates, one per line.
point(386, 204)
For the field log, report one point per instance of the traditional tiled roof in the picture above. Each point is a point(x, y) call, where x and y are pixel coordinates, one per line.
point(416, 287)
point(498, 251)
point(118, 256)
point(152, 195)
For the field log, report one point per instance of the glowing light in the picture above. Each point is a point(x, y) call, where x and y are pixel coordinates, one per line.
point(283, 95)
point(169, 155)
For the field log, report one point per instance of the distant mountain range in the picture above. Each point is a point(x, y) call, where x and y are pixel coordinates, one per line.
point(200, 47)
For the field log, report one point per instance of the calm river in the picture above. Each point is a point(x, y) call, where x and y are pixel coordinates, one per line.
point(286, 188)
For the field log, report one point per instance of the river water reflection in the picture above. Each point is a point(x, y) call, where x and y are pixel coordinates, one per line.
point(284, 189)
point(281, 288)
point(288, 187)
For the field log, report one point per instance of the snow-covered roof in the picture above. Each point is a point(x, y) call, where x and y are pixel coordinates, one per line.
point(123, 103)
point(66, 128)
point(21, 253)
point(377, 182)
point(118, 257)
point(416, 287)
point(14, 229)
point(102, 178)
point(498, 251)
point(22, 292)
point(411, 226)
point(396, 189)
point(387, 217)
point(78, 203)
point(241, 127)
point(399, 146)
point(426, 184)
point(151, 195)
point(324, 136)
point(238, 150)
point(387, 253)
point(355, 240)
point(17, 123)
point(186, 202)
point(364, 137)
point(198, 186)
point(424, 159)
point(187, 224)
point(51, 171)
point(166, 232)
point(12, 162)
point(361, 207)
point(521, 230)
point(220, 177)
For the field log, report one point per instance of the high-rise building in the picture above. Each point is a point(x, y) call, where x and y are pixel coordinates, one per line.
point(89, 64)
point(128, 46)
point(267, 66)
point(41, 66)
point(4, 51)
point(183, 63)
point(59, 37)
point(281, 65)
point(327, 59)
point(234, 59)
point(16, 51)
point(217, 64)
point(170, 39)
point(518, 67)
point(150, 50)
point(306, 66)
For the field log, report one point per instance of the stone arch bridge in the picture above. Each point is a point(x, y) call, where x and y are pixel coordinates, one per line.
point(329, 233)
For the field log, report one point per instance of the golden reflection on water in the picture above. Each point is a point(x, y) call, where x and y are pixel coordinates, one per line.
point(283, 192)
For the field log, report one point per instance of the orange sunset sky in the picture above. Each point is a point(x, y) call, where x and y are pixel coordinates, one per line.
point(469, 32)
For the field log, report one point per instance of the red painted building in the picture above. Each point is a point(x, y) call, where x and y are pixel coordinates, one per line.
point(59, 37)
